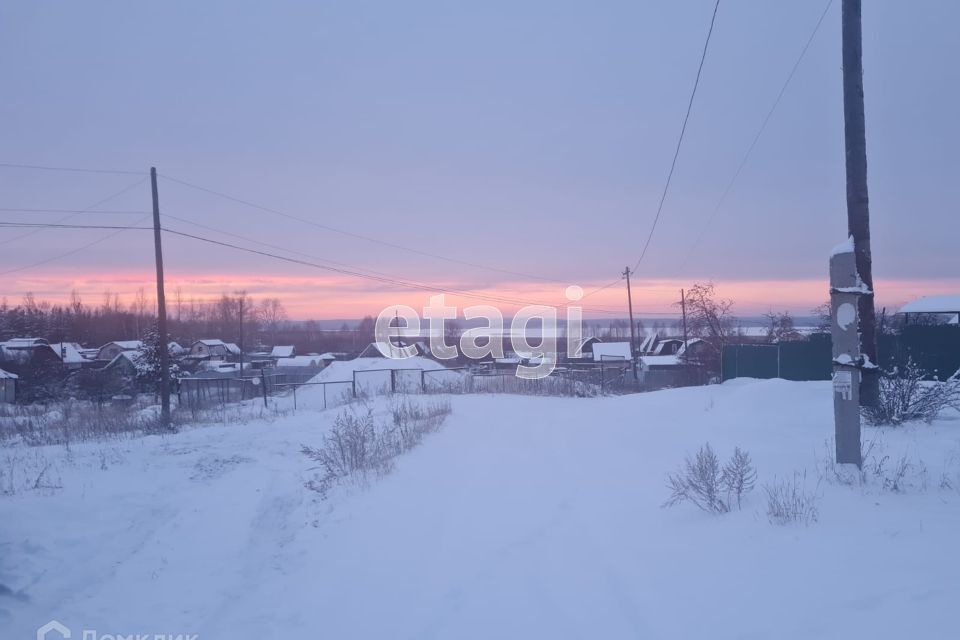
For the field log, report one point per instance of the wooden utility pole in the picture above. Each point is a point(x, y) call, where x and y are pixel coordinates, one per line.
point(161, 308)
point(241, 297)
point(858, 211)
point(633, 327)
point(683, 309)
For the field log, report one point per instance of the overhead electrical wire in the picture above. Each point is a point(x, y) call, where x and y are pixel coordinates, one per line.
point(123, 172)
point(676, 154)
point(51, 225)
point(756, 137)
point(358, 236)
point(83, 211)
point(683, 130)
point(96, 204)
point(366, 276)
point(83, 247)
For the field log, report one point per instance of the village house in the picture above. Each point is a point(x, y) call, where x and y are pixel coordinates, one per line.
point(668, 347)
point(213, 349)
point(71, 354)
point(942, 306)
point(125, 365)
point(111, 350)
point(19, 353)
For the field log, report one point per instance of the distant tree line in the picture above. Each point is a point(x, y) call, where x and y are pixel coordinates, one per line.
point(233, 317)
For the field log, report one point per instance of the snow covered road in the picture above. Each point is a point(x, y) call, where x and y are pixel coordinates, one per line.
point(522, 517)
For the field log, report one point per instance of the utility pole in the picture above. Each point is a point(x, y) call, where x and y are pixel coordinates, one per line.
point(858, 211)
point(633, 327)
point(683, 308)
point(241, 296)
point(161, 308)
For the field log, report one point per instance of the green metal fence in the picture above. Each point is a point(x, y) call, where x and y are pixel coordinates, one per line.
point(935, 349)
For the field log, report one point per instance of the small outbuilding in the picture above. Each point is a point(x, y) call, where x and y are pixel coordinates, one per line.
point(212, 349)
point(612, 351)
point(8, 386)
point(942, 305)
point(283, 351)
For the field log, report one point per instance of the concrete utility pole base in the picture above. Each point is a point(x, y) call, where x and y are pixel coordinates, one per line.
point(845, 291)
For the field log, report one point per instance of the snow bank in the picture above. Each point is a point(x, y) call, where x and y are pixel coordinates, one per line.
point(523, 517)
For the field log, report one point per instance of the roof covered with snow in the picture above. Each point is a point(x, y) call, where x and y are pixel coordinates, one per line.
point(342, 370)
point(133, 357)
point(659, 361)
point(216, 342)
point(69, 352)
point(128, 345)
point(14, 343)
point(6, 375)
point(611, 351)
point(282, 351)
point(300, 361)
point(933, 304)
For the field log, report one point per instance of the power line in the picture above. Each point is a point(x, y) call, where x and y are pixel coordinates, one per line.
point(269, 245)
point(105, 200)
point(371, 275)
point(84, 211)
point(683, 129)
point(756, 138)
point(47, 225)
point(359, 236)
point(300, 253)
point(366, 276)
point(14, 165)
point(599, 289)
point(84, 247)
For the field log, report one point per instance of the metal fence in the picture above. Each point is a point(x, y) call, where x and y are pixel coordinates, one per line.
point(593, 379)
point(809, 359)
point(203, 392)
point(935, 349)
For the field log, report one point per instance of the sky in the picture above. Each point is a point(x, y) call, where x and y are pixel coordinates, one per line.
point(527, 143)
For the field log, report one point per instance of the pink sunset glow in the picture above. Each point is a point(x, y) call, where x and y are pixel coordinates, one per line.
point(339, 297)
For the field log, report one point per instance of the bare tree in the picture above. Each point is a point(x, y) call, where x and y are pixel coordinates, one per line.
point(709, 318)
point(781, 327)
point(271, 313)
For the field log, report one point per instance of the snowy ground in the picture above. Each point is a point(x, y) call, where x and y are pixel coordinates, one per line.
point(523, 517)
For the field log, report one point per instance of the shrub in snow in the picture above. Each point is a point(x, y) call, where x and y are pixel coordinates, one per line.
point(412, 421)
point(902, 474)
point(28, 472)
point(356, 445)
point(709, 486)
point(905, 396)
point(788, 501)
point(352, 446)
point(738, 476)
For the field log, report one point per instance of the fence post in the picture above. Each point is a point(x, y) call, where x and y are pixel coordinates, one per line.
point(393, 380)
point(324, 385)
point(423, 381)
point(263, 383)
point(294, 397)
point(354, 384)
